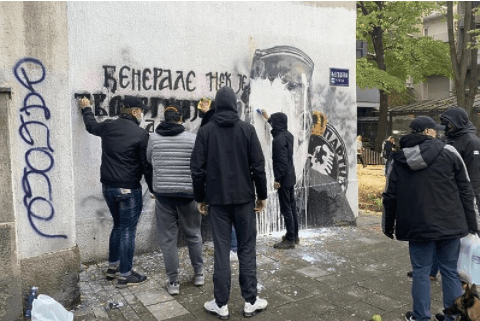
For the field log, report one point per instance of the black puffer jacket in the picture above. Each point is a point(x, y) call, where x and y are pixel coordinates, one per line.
point(124, 150)
point(282, 150)
point(227, 158)
point(428, 195)
point(463, 137)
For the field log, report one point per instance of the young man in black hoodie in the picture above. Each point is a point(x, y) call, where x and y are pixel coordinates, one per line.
point(429, 202)
point(228, 169)
point(169, 150)
point(461, 134)
point(124, 161)
point(284, 173)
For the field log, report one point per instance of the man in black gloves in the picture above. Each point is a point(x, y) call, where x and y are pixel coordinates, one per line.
point(429, 202)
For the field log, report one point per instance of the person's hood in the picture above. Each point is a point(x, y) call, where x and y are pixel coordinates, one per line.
point(169, 129)
point(418, 151)
point(279, 122)
point(226, 114)
point(206, 118)
point(458, 117)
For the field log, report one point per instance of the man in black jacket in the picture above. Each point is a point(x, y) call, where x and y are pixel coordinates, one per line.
point(124, 161)
point(227, 168)
point(429, 202)
point(284, 173)
point(461, 134)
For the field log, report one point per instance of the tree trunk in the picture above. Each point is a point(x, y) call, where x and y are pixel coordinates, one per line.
point(382, 121)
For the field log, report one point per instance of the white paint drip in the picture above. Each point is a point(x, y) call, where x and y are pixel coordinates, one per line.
point(275, 97)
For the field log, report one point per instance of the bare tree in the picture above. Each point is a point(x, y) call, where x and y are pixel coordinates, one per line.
point(463, 53)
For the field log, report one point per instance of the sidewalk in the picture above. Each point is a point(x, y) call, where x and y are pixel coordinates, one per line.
point(341, 273)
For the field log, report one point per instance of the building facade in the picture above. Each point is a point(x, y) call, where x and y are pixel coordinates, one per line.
point(278, 56)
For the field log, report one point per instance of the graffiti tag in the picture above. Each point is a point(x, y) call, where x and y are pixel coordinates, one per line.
point(38, 203)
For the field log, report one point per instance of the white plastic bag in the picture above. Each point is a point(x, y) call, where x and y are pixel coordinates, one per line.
point(468, 265)
point(45, 308)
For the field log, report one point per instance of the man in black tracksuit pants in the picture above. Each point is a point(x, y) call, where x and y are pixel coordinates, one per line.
point(227, 168)
point(284, 173)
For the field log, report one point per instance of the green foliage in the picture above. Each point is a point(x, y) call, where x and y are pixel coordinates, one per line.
point(406, 52)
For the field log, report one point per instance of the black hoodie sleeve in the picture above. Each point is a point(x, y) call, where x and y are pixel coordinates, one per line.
point(471, 157)
point(198, 167)
point(389, 202)
point(466, 191)
point(279, 157)
point(146, 166)
point(257, 166)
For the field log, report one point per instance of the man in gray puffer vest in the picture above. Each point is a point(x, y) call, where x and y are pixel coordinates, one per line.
point(169, 151)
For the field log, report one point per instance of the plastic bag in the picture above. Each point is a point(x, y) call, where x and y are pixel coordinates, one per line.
point(46, 308)
point(468, 265)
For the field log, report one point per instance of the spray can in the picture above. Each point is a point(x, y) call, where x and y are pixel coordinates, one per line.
point(32, 296)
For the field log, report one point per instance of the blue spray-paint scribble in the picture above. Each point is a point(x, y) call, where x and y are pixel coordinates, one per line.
point(30, 72)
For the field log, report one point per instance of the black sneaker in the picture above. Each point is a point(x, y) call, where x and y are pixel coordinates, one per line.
point(133, 278)
point(439, 317)
point(409, 316)
point(285, 244)
point(297, 239)
point(111, 273)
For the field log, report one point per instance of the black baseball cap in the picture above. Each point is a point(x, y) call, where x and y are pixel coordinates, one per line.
point(421, 123)
point(132, 102)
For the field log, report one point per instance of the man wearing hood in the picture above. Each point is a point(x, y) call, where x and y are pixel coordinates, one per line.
point(169, 151)
point(124, 146)
point(461, 134)
point(284, 173)
point(228, 169)
point(429, 202)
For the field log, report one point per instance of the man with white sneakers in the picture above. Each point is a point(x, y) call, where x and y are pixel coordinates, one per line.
point(228, 169)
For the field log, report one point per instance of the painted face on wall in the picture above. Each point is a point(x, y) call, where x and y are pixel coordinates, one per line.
point(280, 82)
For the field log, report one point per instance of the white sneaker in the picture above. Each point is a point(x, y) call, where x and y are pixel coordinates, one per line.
point(173, 288)
point(212, 308)
point(250, 310)
point(233, 256)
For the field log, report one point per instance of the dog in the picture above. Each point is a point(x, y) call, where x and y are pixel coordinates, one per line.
point(466, 306)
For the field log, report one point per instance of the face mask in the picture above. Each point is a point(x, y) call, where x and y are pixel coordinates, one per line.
point(140, 119)
point(448, 126)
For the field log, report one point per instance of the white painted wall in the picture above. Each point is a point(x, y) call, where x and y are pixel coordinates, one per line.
point(203, 38)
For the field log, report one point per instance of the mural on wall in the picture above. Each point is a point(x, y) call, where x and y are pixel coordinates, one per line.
point(280, 80)
point(34, 131)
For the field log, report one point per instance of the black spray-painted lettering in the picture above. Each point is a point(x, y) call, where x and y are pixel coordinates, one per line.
point(146, 79)
point(30, 72)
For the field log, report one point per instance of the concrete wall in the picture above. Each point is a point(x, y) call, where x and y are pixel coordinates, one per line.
point(34, 66)
point(187, 51)
point(53, 52)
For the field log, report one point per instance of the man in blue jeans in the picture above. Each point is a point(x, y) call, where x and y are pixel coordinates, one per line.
point(429, 202)
point(124, 161)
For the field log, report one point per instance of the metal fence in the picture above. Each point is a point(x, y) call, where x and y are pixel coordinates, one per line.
point(372, 158)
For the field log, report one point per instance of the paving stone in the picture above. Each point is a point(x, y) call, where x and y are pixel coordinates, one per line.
point(313, 272)
point(166, 310)
point(153, 296)
point(339, 273)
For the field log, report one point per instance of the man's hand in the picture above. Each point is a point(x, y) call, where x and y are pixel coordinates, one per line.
point(83, 103)
point(264, 114)
point(389, 234)
point(276, 185)
point(260, 206)
point(202, 207)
